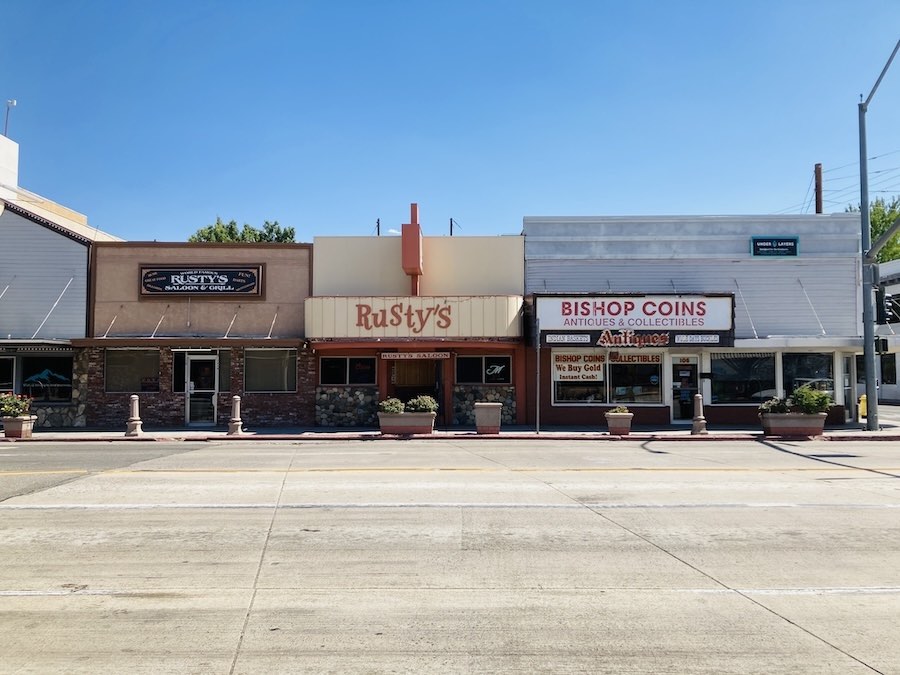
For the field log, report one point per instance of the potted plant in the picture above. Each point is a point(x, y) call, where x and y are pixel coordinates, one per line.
point(15, 412)
point(416, 416)
point(618, 420)
point(802, 413)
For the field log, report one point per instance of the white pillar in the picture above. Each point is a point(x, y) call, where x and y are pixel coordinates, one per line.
point(134, 425)
point(234, 424)
point(699, 425)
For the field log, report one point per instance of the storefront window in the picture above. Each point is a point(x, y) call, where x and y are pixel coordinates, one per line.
point(635, 383)
point(483, 369)
point(47, 379)
point(743, 377)
point(888, 369)
point(579, 376)
point(132, 370)
point(815, 370)
point(343, 370)
point(270, 370)
point(7, 369)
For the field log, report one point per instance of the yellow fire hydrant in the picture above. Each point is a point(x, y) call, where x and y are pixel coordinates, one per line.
point(862, 406)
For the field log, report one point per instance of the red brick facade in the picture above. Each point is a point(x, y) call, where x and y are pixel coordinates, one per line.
point(166, 407)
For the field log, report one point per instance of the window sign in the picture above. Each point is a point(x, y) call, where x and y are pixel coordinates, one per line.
point(581, 365)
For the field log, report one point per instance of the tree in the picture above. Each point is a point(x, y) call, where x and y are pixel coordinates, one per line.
point(270, 233)
point(882, 215)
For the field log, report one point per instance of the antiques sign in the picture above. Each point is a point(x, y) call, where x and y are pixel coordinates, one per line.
point(216, 281)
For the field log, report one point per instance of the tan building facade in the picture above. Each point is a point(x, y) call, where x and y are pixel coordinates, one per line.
point(402, 316)
point(187, 327)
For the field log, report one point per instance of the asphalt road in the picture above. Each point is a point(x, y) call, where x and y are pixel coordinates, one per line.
point(452, 557)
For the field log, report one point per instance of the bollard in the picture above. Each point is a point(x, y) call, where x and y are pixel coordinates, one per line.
point(133, 427)
point(234, 424)
point(699, 425)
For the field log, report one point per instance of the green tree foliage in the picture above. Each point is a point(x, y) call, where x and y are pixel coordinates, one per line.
point(270, 232)
point(882, 214)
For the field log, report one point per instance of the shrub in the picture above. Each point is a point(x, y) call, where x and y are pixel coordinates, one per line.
point(422, 403)
point(807, 400)
point(804, 399)
point(14, 405)
point(775, 405)
point(619, 409)
point(391, 405)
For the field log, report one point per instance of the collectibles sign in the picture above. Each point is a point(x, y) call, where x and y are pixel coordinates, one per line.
point(587, 365)
point(242, 281)
point(636, 321)
point(578, 365)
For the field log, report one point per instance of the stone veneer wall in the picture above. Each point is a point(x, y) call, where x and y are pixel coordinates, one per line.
point(347, 406)
point(75, 413)
point(165, 408)
point(465, 396)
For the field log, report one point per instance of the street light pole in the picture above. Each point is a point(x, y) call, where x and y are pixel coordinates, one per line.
point(869, 268)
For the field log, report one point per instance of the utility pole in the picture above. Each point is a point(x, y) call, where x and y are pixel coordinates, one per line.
point(818, 172)
point(11, 103)
point(869, 268)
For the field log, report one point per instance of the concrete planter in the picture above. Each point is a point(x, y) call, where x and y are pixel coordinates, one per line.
point(619, 423)
point(793, 424)
point(406, 422)
point(487, 417)
point(19, 427)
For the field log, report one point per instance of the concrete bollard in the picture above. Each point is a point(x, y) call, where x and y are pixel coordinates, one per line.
point(234, 424)
point(699, 423)
point(134, 425)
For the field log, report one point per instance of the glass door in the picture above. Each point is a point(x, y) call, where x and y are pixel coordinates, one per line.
point(685, 384)
point(201, 385)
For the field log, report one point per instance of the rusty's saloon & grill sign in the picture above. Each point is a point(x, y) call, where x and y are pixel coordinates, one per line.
point(188, 280)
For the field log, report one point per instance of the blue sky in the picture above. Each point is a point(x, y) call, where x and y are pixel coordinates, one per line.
point(153, 118)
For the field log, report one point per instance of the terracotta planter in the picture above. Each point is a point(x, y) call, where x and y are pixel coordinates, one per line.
point(487, 417)
point(19, 427)
point(793, 424)
point(619, 423)
point(406, 422)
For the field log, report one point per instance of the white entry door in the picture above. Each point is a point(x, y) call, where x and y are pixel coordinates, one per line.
point(201, 386)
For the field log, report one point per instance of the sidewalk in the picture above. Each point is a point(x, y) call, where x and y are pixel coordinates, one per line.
point(890, 431)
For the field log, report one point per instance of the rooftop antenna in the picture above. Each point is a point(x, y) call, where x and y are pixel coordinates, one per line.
point(10, 103)
point(378, 227)
point(452, 223)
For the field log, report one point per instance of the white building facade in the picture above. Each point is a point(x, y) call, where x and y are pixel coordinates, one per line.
point(648, 311)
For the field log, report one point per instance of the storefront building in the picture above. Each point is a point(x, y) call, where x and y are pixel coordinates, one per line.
point(402, 316)
point(648, 312)
point(187, 327)
point(44, 282)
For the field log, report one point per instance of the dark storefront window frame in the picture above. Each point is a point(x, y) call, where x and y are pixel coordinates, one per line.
point(8, 384)
point(754, 378)
point(468, 363)
point(815, 369)
point(290, 386)
point(344, 366)
point(53, 373)
point(613, 388)
point(147, 380)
